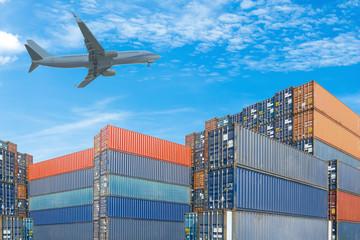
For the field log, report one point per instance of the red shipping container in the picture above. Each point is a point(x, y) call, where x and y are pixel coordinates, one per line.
point(12, 147)
point(68, 163)
point(190, 140)
point(344, 206)
point(28, 159)
point(122, 140)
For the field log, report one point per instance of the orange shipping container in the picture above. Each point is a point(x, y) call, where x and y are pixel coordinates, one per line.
point(21, 191)
point(311, 95)
point(97, 145)
point(199, 180)
point(22, 215)
point(346, 207)
point(313, 123)
point(198, 209)
point(122, 140)
point(68, 163)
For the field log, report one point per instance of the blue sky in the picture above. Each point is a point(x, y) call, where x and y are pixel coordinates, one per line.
point(218, 56)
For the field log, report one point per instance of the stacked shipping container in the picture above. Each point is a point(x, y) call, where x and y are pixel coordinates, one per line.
point(61, 196)
point(144, 187)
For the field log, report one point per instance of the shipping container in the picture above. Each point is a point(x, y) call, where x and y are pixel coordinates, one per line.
point(347, 231)
point(119, 139)
point(199, 180)
point(313, 123)
point(20, 176)
point(62, 215)
point(199, 163)
point(28, 159)
point(22, 206)
point(224, 121)
point(62, 199)
point(244, 189)
point(97, 146)
point(96, 230)
point(11, 227)
point(12, 147)
point(326, 152)
point(7, 199)
point(239, 145)
point(267, 130)
point(313, 96)
point(191, 226)
point(237, 118)
point(119, 207)
point(78, 231)
point(250, 116)
point(83, 178)
point(3, 145)
point(266, 111)
point(209, 126)
point(344, 177)
point(239, 225)
point(21, 191)
point(344, 206)
point(21, 163)
point(134, 229)
point(145, 189)
point(190, 140)
point(125, 164)
point(199, 141)
point(200, 198)
point(284, 128)
point(284, 102)
point(60, 165)
point(28, 229)
point(7, 166)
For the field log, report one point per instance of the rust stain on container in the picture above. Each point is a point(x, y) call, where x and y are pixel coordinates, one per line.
point(122, 140)
point(68, 163)
point(199, 180)
point(313, 123)
point(21, 191)
point(313, 96)
point(348, 207)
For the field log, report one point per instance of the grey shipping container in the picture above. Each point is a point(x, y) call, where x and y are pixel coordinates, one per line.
point(325, 152)
point(347, 231)
point(240, 225)
point(78, 231)
point(238, 145)
point(267, 130)
point(64, 182)
point(22, 206)
point(11, 227)
point(142, 167)
point(344, 177)
point(132, 229)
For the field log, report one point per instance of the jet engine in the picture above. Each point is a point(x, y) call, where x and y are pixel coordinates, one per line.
point(111, 54)
point(108, 73)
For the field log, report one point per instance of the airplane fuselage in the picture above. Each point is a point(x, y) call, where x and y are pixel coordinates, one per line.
point(82, 60)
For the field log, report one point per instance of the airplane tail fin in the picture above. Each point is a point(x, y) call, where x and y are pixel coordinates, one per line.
point(36, 53)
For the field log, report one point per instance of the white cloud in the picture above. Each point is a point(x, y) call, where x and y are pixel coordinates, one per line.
point(350, 4)
point(9, 43)
point(6, 59)
point(3, 1)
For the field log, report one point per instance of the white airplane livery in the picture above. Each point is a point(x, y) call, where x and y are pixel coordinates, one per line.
point(98, 60)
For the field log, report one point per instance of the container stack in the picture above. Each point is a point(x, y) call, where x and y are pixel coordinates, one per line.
point(144, 186)
point(200, 173)
point(253, 178)
point(61, 197)
point(344, 200)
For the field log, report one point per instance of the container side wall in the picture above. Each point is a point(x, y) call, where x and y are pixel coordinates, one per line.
point(78, 231)
point(348, 207)
point(348, 230)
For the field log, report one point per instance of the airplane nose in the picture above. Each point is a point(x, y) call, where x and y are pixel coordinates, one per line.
point(157, 57)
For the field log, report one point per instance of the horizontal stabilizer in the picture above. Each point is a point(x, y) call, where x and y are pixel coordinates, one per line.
point(33, 66)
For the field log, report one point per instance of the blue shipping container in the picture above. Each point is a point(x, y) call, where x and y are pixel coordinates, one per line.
point(28, 229)
point(266, 111)
point(125, 164)
point(344, 177)
point(239, 145)
point(199, 161)
point(250, 116)
point(244, 189)
point(11, 227)
point(191, 226)
point(237, 118)
point(78, 231)
point(21, 176)
point(21, 160)
point(149, 190)
point(224, 121)
point(348, 231)
point(62, 199)
point(284, 128)
point(199, 198)
point(325, 152)
point(3, 145)
point(22, 206)
point(284, 102)
point(267, 130)
point(63, 215)
point(119, 207)
point(64, 182)
point(7, 199)
point(200, 141)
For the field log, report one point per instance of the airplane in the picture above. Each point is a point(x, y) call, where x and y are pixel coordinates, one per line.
point(98, 60)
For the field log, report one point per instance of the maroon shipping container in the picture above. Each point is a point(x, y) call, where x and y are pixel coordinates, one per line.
point(29, 159)
point(344, 207)
point(210, 125)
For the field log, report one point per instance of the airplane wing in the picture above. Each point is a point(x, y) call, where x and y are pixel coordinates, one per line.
point(92, 74)
point(92, 45)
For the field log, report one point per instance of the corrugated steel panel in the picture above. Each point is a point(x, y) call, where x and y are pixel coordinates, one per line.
point(22, 206)
point(28, 159)
point(199, 198)
point(224, 121)
point(190, 140)
point(21, 160)
point(7, 166)
point(63, 215)
point(266, 111)
point(61, 165)
point(78, 231)
point(236, 144)
point(118, 207)
point(191, 226)
point(20, 176)
point(28, 231)
point(325, 152)
point(237, 118)
point(64, 182)
point(199, 180)
point(267, 130)
point(311, 95)
point(62, 199)
point(344, 177)
point(199, 162)
point(21, 191)
point(12, 147)
point(7, 199)
point(146, 168)
point(250, 116)
point(284, 102)
point(97, 145)
point(244, 189)
point(199, 141)
point(240, 225)
point(141, 230)
point(3, 145)
point(119, 139)
point(149, 190)
point(313, 123)
point(11, 227)
point(284, 128)
point(348, 231)
point(347, 207)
